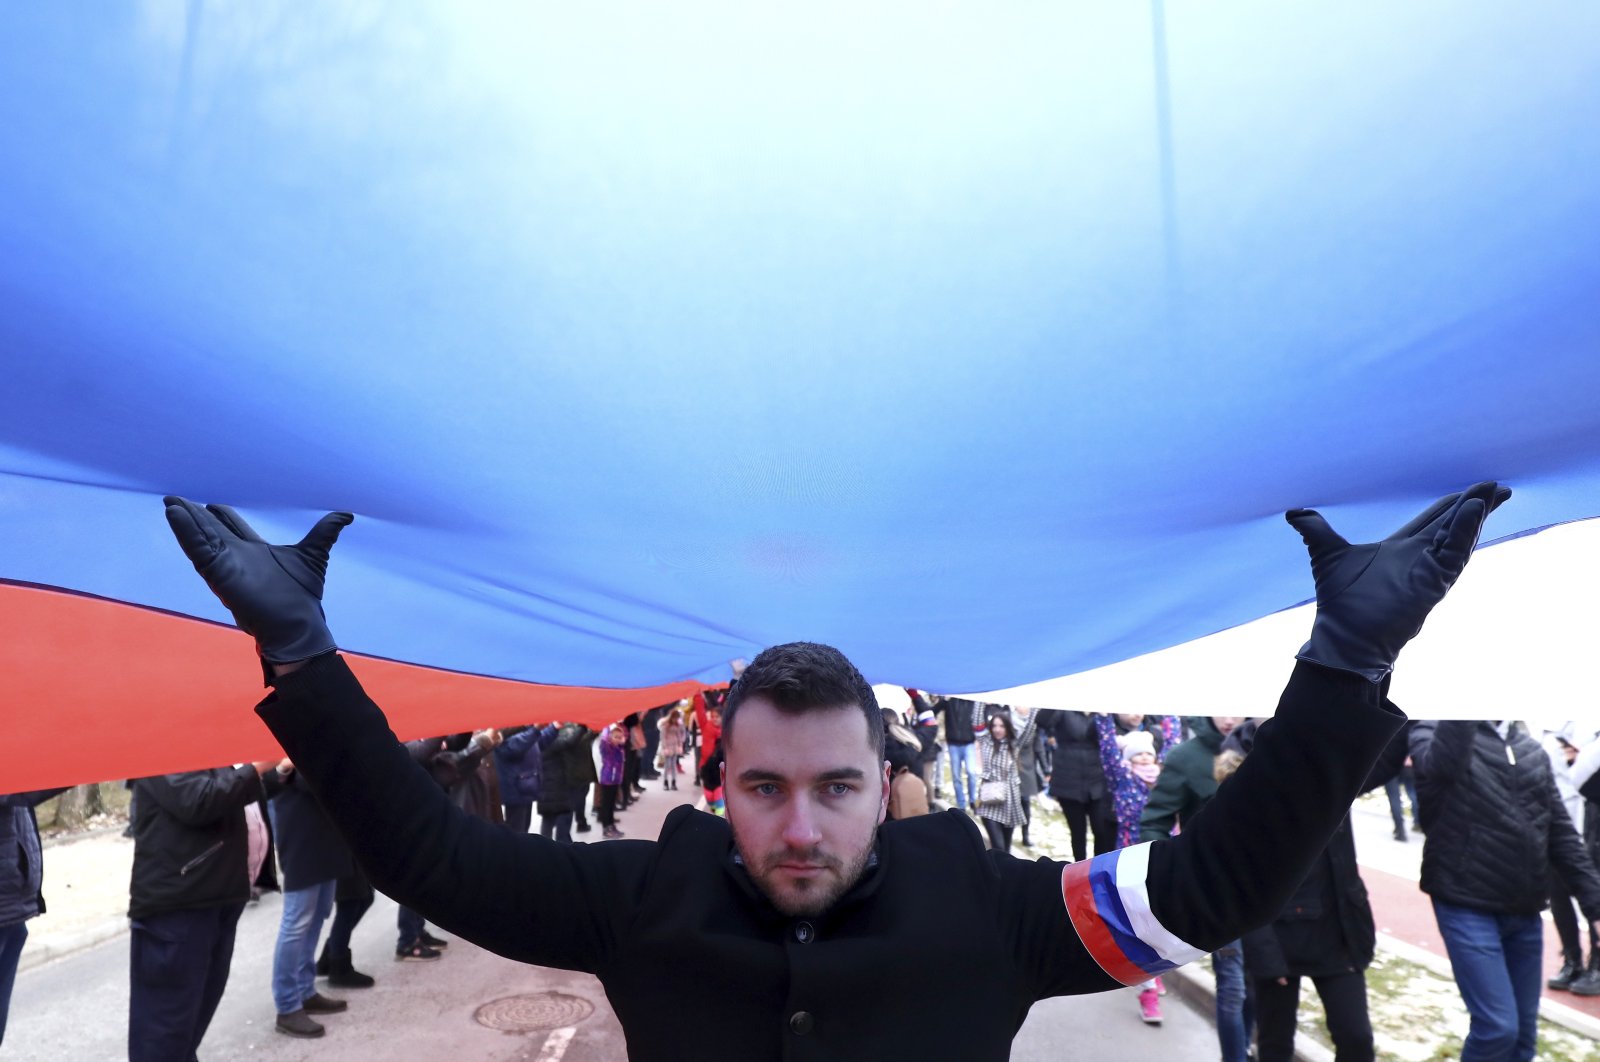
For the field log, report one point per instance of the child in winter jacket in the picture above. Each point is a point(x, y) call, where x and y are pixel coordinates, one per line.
point(1131, 756)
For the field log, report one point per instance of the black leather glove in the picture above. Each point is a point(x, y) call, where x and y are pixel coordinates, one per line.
point(274, 592)
point(1372, 598)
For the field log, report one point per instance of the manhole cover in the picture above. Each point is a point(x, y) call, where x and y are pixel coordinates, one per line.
point(533, 1013)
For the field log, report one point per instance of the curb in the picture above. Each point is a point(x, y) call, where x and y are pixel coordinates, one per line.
point(70, 943)
point(1557, 1014)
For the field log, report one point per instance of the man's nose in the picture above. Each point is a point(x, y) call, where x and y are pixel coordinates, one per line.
point(800, 828)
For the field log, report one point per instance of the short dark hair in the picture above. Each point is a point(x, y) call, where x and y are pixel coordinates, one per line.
point(801, 677)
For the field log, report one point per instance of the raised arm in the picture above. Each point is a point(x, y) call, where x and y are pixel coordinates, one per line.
point(1110, 756)
point(1238, 861)
point(528, 898)
point(200, 798)
point(1440, 750)
point(525, 897)
point(30, 799)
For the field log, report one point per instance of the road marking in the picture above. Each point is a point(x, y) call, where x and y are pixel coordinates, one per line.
point(555, 1045)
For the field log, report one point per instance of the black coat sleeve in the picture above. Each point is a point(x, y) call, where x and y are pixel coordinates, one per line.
point(1239, 859)
point(30, 799)
point(524, 897)
point(200, 798)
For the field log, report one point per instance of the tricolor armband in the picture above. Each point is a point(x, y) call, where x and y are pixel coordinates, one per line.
point(1109, 906)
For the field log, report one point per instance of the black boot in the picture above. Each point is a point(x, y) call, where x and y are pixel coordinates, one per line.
point(1588, 982)
point(322, 960)
point(342, 974)
point(1570, 972)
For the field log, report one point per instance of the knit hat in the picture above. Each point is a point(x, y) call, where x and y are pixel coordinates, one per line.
point(1134, 742)
point(925, 717)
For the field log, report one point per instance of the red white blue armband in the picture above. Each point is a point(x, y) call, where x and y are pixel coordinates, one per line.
point(1109, 906)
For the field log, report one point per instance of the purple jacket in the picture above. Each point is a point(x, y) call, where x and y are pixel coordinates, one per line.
point(611, 758)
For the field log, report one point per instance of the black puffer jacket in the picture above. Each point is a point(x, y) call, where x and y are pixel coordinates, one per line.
point(1077, 774)
point(1495, 823)
point(562, 769)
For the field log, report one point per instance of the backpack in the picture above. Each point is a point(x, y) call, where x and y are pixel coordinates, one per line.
point(908, 795)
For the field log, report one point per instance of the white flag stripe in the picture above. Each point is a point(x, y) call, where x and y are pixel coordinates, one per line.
point(1133, 866)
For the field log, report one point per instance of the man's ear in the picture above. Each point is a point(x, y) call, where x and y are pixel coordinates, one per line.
point(883, 799)
point(722, 774)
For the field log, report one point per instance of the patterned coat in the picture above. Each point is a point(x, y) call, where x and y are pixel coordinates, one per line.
point(1128, 794)
point(998, 763)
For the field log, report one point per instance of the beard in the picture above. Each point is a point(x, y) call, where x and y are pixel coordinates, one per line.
point(802, 897)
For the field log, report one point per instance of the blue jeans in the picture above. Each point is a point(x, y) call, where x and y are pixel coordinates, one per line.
point(12, 938)
point(1234, 1017)
point(1496, 960)
point(294, 964)
point(965, 754)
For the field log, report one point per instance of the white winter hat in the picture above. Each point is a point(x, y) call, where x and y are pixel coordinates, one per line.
point(1136, 741)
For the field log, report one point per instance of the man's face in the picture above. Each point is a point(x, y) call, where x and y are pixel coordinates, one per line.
point(1226, 723)
point(805, 796)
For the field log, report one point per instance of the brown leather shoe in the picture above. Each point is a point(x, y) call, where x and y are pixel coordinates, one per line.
point(317, 1003)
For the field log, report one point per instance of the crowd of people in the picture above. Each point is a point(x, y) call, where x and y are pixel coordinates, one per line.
point(209, 842)
point(1510, 823)
point(1516, 826)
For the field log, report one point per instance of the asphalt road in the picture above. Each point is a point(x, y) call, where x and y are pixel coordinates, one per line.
point(77, 1009)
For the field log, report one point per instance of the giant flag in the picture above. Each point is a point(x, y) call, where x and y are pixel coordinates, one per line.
point(986, 341)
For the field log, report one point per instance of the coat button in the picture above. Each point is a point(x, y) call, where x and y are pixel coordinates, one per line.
point(801, 1022)
point(804, 933)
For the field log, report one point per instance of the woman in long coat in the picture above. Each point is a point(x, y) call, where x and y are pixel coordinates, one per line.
point(997, 756)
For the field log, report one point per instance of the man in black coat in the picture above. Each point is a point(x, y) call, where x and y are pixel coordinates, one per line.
point(777, 931)
point(1496, 829)
point(190, 881)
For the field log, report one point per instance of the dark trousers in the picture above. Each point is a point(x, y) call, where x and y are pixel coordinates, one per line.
point(608, 804)
point(1344, 1000)
point(1096, 816)
point(178, 967)
point(999, 836)
point(580, 804)
point(558, 826)
point(351, 898)
point(346, 916)
point(630, 772)
point(12, 938)
point(519, 817)
point(411, 924)
point(1407, 780)
point(1566, 919)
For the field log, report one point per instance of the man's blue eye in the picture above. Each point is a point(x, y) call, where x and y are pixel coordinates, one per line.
point(766, 789)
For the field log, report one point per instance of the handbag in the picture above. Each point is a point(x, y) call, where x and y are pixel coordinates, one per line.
point(992, 792)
